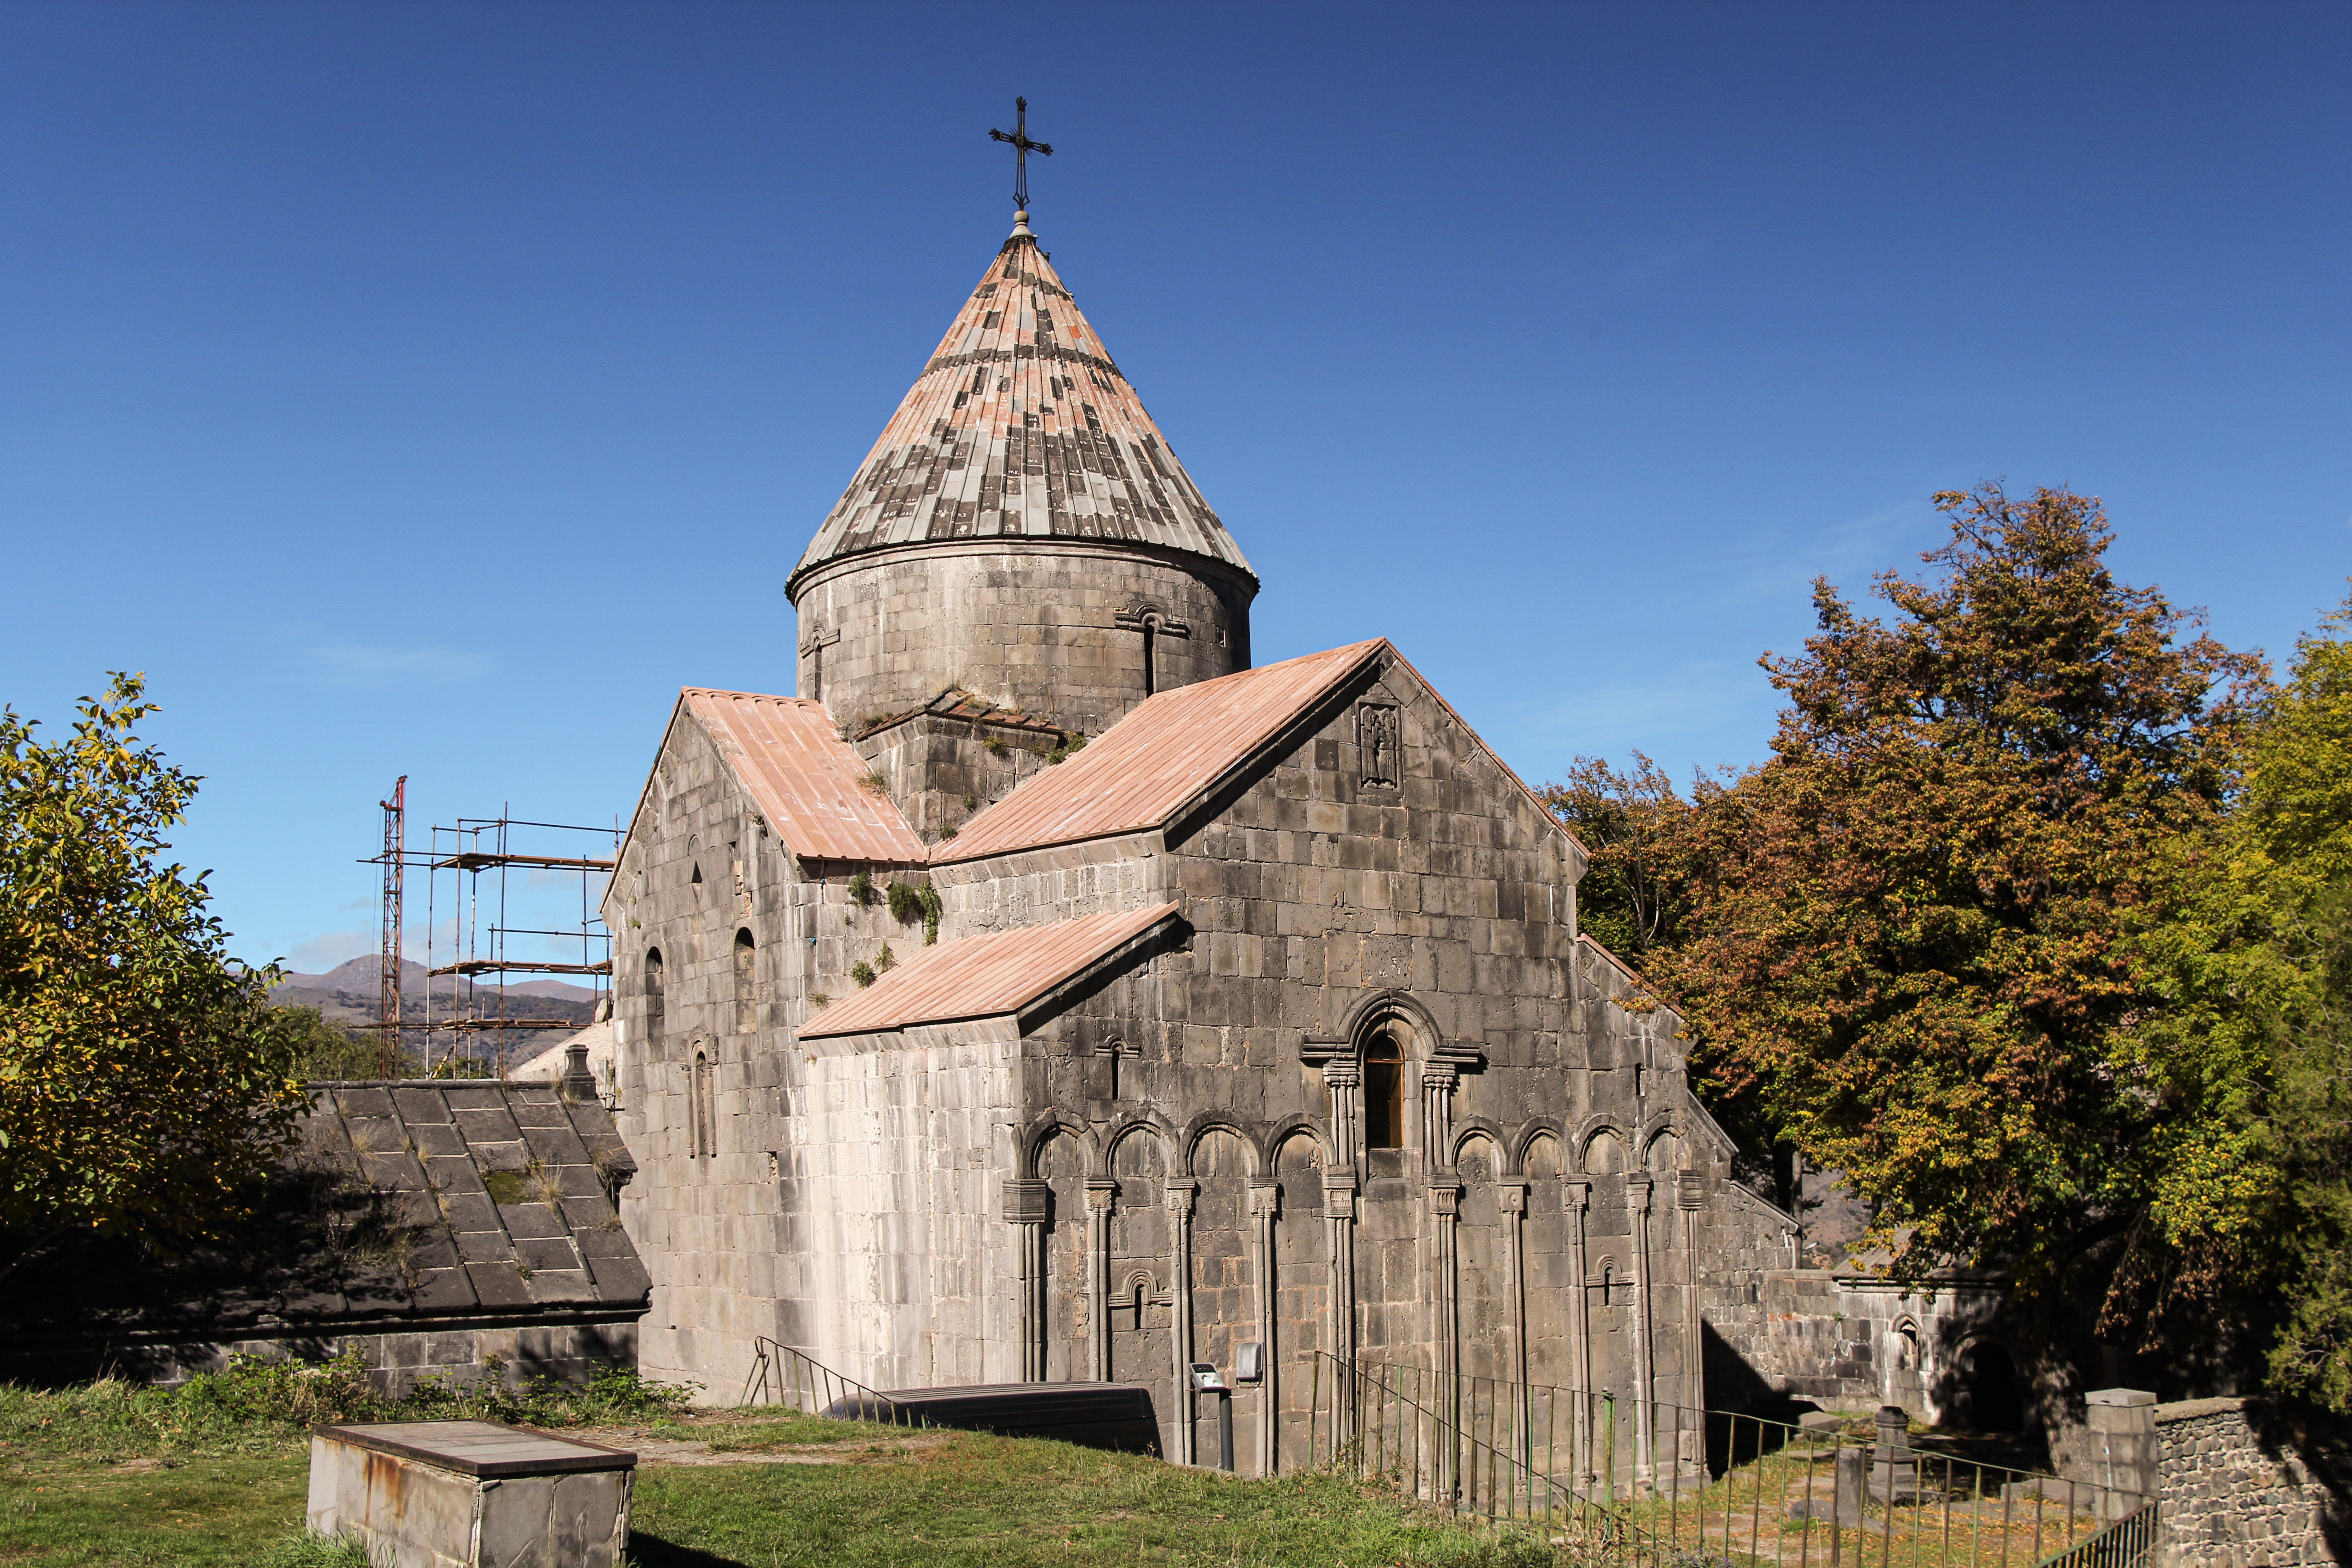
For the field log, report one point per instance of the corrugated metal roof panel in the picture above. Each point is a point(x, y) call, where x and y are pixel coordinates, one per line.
point(804, 777)
point(982, 976)
point(1173, 746)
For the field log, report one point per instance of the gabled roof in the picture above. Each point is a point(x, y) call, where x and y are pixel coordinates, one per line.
point(804, 777)
point(1163, 755)
point(1021, 426)
point(983, 976)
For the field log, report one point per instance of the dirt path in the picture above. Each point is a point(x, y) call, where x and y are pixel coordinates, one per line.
point(652, 1450)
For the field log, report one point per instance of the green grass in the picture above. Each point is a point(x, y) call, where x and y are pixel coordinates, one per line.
point(968, 1499)
point(109, 1474)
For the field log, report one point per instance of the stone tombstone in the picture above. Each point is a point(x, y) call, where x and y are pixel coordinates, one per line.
point(470, 1494)
point(1894, 1468)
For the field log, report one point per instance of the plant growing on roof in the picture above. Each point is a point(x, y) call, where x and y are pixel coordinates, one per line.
point(863, 973)
point(930, 897)
point(994, 745)
point(906, 902)
point(861, 888)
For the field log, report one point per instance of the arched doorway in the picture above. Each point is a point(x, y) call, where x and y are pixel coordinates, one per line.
point(1987, 1396)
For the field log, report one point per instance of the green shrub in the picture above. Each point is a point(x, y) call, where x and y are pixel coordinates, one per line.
point(906, 902)
point(863, 973)
point(861, 888)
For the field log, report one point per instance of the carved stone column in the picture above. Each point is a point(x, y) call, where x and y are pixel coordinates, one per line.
point(1342, 1078)
point(1437, 1081)
point(1181, 1191)
point(1637, 1209)
point(1026, 1205)
point(1339, 1229)
point(1101, 1192)
point(1576, 1198)
point(1689, 1193)
point(1265, 1205)
point(1511, 1204)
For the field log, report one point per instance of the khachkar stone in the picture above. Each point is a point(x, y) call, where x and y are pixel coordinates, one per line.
point(1021, 532)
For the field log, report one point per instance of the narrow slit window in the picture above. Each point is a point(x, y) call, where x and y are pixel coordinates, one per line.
point(1383, 1094)
point(1151, 674)
point(653, 997)
point(746, 1009)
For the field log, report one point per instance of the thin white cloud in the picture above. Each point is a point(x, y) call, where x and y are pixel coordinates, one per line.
point(348, 664)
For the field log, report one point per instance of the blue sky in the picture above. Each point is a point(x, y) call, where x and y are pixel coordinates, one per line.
point(435, 388)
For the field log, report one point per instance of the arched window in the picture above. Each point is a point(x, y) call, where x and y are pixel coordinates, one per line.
point(653, 997)
point(1151, 639)
point(746, 1011)
point(1384, 1092)
point(702, 1135)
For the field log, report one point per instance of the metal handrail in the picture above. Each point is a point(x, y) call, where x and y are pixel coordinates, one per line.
point(796, 1378)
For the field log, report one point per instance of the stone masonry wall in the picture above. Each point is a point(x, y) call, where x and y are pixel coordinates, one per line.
point(1328, 879)
point(2247, 1485)
point(1032, 627)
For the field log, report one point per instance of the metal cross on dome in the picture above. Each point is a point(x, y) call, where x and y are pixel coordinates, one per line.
point(1021, 148)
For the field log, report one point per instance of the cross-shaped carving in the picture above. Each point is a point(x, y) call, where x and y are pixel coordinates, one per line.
point(1021, 148)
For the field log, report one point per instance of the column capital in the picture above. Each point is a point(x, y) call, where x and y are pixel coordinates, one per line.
point(1513, 1197)
point(1575, 1197)
point(1181, 1191)
point(1264, 1197)
point(1342, 1073)
point(1637, 1193)
point(1445, 1199)
point(1101, 1192)
point(1440, 1076)
point(1027, 1202)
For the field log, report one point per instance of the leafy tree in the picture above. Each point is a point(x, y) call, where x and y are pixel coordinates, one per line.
point(144, 1083)
point(323, 1051)
point(1637, 867)
point(1907, 941)
point(2254, 968)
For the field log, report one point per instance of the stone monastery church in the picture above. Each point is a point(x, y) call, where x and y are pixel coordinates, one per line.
point(1043, 992)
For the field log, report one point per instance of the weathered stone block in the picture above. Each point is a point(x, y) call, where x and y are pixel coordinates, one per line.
point(470, 1494)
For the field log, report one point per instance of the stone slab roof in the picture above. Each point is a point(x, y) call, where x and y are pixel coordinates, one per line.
point(1164, 753)
point(1021, 426)
point(496, 1195)
point(984, 976)
point(433, 1203)
point(804, 777)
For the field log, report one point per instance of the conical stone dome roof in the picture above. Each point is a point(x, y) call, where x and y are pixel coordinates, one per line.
point(1021, 426)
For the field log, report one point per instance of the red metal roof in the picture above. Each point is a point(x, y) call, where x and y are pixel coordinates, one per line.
point(982, 976)
point(804, 777)
point(1146, 766)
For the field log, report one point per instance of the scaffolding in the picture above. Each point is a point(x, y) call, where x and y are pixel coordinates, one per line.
point(470, 934)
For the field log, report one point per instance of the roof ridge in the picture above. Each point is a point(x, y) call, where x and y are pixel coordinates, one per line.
point(1134, 776)
point(987, 974)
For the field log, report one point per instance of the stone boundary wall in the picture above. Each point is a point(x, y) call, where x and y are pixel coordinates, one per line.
point(396, 1359)
point(2246, 1483)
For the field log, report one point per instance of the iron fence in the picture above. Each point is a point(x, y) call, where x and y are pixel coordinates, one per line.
point(1663, 1486)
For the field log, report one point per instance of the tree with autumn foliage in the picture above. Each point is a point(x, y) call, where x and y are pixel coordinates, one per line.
point(1904, 942)
point(144, 1083)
